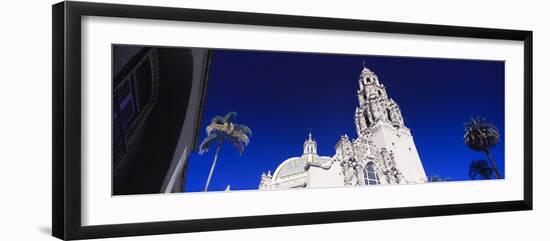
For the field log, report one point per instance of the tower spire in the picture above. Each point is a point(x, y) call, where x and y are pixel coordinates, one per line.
point(310, 146)
point(374, 104)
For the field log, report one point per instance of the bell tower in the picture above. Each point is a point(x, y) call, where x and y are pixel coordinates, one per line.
point(379, 119)
point(310, 148)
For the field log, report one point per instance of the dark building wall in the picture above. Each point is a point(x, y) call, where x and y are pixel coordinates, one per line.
point(150, 153)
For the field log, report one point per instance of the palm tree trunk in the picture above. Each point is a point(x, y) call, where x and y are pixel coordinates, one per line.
point(212, 168)
point(497, 173)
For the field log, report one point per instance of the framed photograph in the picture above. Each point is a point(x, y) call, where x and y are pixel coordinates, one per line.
point(169, 120)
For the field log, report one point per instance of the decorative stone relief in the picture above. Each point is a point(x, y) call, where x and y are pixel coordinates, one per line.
point(350, 169)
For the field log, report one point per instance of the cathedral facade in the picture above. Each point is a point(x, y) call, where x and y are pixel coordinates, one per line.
point(383, 152)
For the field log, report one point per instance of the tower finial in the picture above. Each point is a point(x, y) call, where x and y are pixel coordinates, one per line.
point(364, 66)
point(310, 146)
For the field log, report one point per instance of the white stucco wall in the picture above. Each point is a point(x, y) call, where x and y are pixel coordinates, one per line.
point(320, 177)
point(401, 143)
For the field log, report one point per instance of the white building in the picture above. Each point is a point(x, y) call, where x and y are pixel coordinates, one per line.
point(383, 152)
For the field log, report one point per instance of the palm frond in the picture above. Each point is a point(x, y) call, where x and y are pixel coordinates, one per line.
point(472, 174)
point(209, 129)
point(221, 129)
point(242, 128)
point(229, 117)
point(217, 119)
point(237, 143)
point(207, 142)
point(480, 134)
point(480, 168)
point(216, 127)
point(240, 136)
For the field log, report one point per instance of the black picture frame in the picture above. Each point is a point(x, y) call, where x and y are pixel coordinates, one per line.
point(66, 75)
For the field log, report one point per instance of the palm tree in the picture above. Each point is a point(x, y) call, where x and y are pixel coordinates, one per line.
point(220, 130)
point(481, 135)
point(480, 168)
point(437, 178)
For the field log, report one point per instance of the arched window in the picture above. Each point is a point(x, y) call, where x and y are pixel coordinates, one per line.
point(370, 175)
point(388, 111)
point(368, 80)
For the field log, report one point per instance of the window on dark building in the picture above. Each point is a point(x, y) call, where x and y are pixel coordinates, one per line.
point(131, 98)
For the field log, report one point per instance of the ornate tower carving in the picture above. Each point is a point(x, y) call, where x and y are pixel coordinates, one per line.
point(374, 105)
point(378, 118)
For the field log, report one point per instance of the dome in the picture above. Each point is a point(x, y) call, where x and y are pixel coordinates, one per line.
point(290, 167)
point(293, 172)
point(298, 165)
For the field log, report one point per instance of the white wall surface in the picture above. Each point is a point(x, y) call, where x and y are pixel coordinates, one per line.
point(25, 123)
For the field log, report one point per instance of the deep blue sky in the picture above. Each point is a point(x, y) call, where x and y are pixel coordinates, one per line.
point(281, 95)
